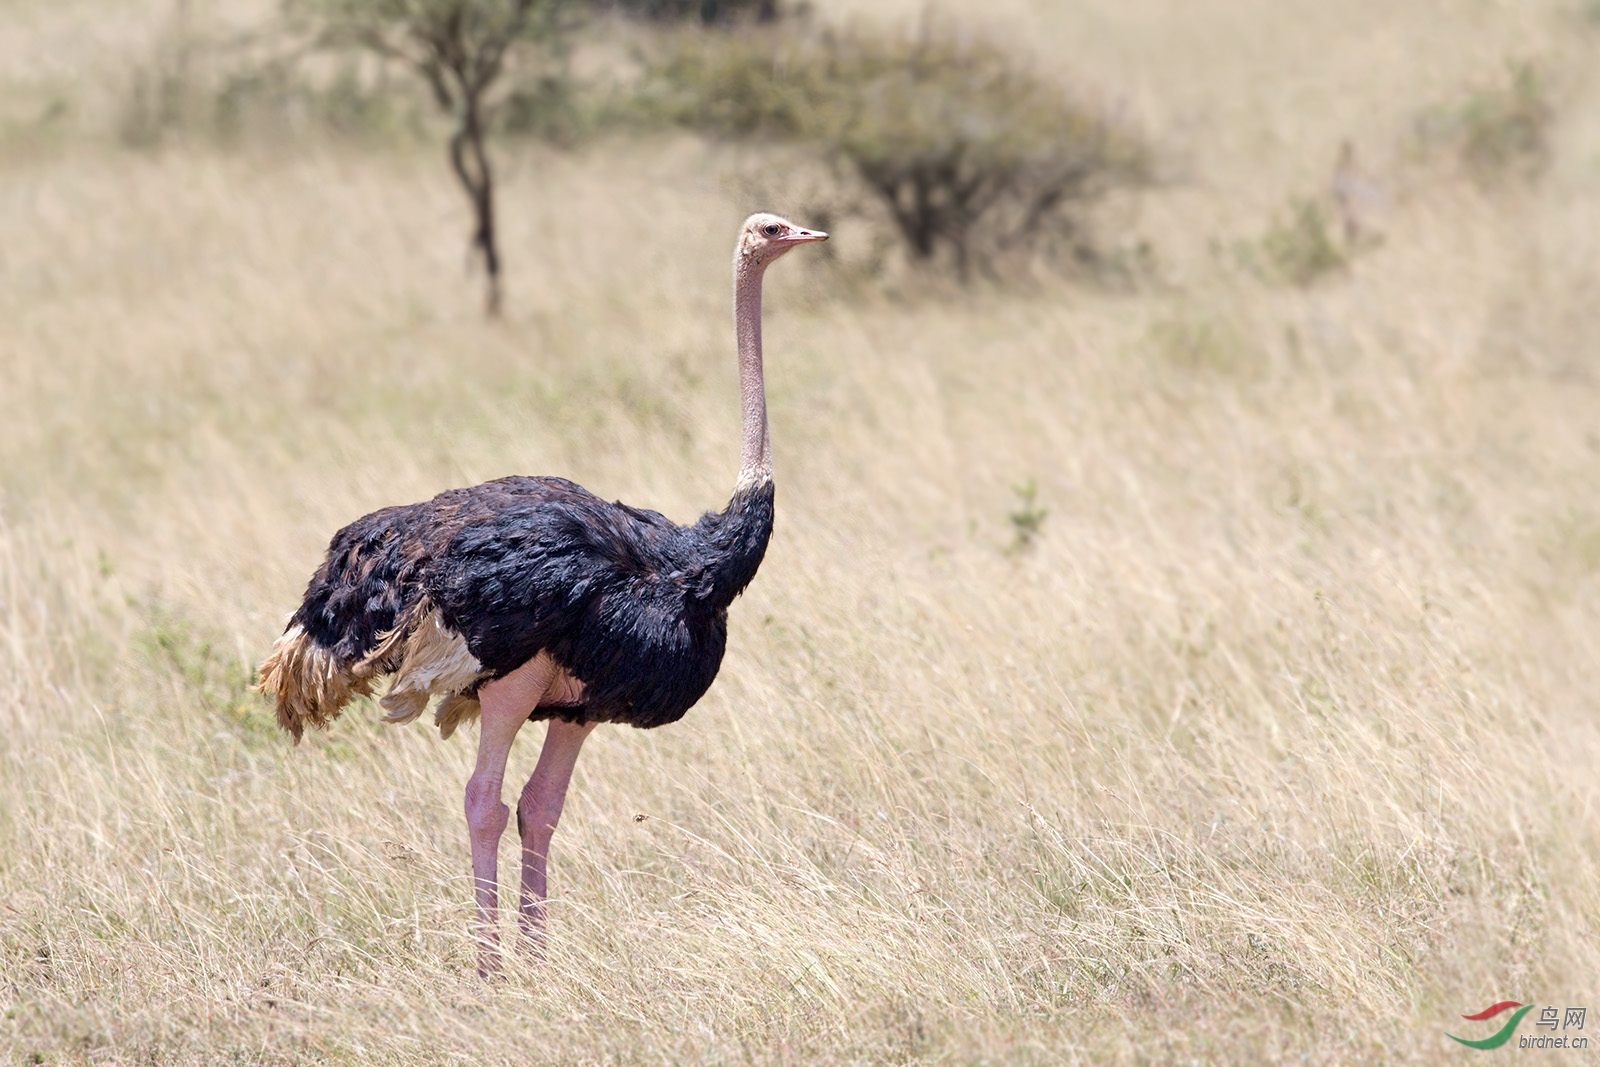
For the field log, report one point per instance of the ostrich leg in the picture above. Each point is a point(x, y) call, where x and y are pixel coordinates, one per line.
point(506, 703)
point(537, 814)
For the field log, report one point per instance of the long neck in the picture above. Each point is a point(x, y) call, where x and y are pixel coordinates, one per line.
point(755, 447)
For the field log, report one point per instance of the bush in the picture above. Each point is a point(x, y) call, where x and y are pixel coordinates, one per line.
point(1505, 131)
point(970, 153)
point(1498, 133)
point(1303, 249)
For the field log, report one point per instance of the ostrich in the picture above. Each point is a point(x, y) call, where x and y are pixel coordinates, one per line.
point(531, 598)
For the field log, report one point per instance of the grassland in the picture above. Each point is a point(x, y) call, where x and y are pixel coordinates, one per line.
point(1277, 743)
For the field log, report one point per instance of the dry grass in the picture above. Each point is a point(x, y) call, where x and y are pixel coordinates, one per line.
point(1277, 743)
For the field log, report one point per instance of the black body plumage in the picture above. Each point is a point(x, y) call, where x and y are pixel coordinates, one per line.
point(631, 604)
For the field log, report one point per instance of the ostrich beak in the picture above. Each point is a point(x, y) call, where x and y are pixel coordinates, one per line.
point(799, 236)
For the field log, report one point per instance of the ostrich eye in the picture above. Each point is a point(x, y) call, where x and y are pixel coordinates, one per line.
point(771, 229)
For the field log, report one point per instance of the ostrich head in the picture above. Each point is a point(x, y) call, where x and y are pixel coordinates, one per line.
point(766, 237)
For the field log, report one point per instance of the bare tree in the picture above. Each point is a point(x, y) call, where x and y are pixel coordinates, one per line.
point(460, 48)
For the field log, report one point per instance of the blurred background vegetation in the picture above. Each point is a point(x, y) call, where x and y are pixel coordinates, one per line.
point(951, 152)
point(957, 150)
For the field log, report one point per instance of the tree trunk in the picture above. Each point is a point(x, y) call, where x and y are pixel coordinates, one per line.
point(470, 160)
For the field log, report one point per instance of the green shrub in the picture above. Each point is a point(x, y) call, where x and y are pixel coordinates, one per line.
point(1498, 133)
point(970, 153)
point(1505, 131)
point(1302, 249)
point(1028, 519)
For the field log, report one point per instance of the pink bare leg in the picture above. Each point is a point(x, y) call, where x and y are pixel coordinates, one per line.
point(537, 815)
point(506, 704)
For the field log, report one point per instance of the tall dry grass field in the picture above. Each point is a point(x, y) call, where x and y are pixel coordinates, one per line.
point(1278, 742)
